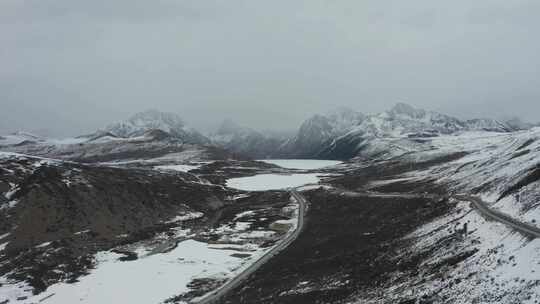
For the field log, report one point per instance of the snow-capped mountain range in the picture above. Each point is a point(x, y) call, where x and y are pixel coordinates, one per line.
point(401, 121)
point(341, 134)
point(142, 122)
point(320, 130)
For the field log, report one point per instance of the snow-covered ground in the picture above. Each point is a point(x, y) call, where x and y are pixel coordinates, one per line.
point(150, 279)
point(503, 266)
point(501, 168)
point(263, 182)
point(158, 276)
point(303, 164)
point(181, 168)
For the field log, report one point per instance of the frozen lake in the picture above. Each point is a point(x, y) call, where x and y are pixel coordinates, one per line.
point(303, 164)
point(264, 182)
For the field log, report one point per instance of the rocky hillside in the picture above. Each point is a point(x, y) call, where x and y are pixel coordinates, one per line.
point(56, 215)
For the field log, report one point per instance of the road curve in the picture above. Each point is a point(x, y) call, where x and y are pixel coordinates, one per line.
point(218, 294)
point(483, 208)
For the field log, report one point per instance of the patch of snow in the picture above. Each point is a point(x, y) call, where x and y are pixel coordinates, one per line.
point(185, 217)
point(12, 191)
point(244, 214)
point(114, 281)
point(504, 268)
point(82, 232)
point(9, 205)
point(314, 187)
point(242, 226)
point(181, 168)
point(303, 164)
point(43, 245)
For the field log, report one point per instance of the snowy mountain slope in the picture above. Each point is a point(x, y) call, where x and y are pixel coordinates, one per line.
point(140, 123)
point(403, 124)
point(502, 168)
point(318, 130)
point(146, 135)
point(485, 263)
point(517, 124)
point(106, 148)
point(19, 138)
point(462, 256)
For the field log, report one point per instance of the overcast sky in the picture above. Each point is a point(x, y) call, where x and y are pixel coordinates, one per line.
point(71, 66)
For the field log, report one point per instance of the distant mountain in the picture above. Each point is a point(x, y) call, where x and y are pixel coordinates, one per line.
point(146, 135)
point(341, 134)
point(491, 125)
point(405, 120)
point(245, 141)
point(141, 123)
point(318, 131)
point(318, 137)
point(19, 138)
point(518, 124)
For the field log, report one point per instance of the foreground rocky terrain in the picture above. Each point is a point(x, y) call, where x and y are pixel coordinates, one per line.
point(68, 228)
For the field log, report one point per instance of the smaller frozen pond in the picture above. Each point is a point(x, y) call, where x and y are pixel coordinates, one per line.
point(264, 182)
point(303, 164)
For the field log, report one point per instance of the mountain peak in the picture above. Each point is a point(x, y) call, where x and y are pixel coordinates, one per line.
point(157, 117)
point(156, 124)
point(147, 120)
point(402, 108)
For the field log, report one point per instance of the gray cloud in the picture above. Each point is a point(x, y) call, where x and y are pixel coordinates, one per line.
point(71, 66)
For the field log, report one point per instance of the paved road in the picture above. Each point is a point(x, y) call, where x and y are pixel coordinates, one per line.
point(215, 296)
point(483, 208)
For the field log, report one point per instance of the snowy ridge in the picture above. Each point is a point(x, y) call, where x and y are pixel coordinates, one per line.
point(318, 130)
point(144, 122)
point(502, 168)
point(139, 123)
point(405, 125)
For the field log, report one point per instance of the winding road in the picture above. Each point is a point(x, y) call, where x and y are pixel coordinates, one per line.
point(483, 208)
point(219, 293)
point(477, 203)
